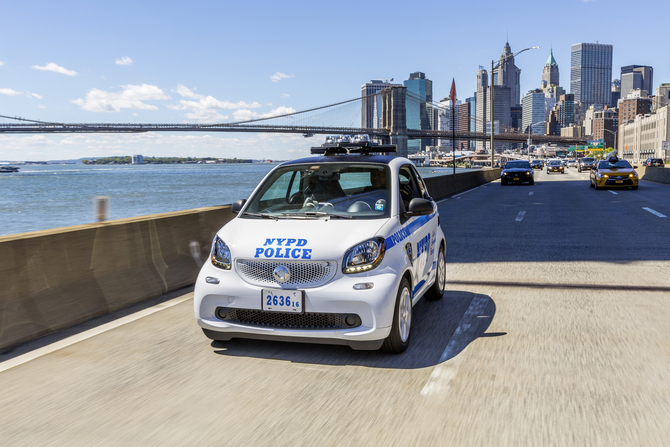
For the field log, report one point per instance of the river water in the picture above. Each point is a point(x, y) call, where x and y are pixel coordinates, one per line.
point(41, 197)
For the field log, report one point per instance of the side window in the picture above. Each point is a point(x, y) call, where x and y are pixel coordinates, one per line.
point(407, 185)
point(423, 192)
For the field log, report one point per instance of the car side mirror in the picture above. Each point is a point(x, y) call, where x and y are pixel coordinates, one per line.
point(634, 167)
point(237, 205)
point(419, 207)
point(593, 168)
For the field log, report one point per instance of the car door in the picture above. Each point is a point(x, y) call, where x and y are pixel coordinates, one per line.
point(422, 228)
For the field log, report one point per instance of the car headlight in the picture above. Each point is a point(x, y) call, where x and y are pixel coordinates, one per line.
point(504, 173)
point(364, 256)
point(634, 174)
point(527, 172)
point(220, 254)
point(605, 176)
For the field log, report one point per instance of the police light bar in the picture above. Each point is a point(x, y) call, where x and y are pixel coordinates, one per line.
point(354, 148)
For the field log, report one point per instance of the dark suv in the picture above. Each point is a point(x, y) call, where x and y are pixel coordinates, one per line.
point(655, 162)
point(585, 164)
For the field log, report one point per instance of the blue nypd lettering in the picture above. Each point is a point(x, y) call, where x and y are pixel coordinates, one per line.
point(399, 236)
point(423, 245)
point(284, 248)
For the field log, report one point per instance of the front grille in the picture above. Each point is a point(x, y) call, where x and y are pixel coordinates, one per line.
point(280, 320)
point(303, 274)
point(626, 181)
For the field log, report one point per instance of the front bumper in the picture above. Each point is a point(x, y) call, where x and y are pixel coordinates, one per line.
point(326, 310)
point(611, 182)
point(519, 178)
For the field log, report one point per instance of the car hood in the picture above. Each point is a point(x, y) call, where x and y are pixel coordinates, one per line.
point(617, 171)
point(319, 239)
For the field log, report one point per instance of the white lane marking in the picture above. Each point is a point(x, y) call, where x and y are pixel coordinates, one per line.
point(654, 212)
point(443, 374)
point(32, 355)
point(613, 192)
point(519, 218)
point(530, 193)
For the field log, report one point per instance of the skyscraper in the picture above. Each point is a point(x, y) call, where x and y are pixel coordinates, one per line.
point(550, 70)
point(636, 77)
point(419, 106)
point(371, 106)
point(533, 112)
point(591, 73)
point(508, 75)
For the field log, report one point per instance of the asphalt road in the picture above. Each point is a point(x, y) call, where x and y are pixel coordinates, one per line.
point(554, 331)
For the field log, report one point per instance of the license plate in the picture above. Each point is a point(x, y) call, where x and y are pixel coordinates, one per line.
point(278, 300)
point(619, 181)
point(516, 178)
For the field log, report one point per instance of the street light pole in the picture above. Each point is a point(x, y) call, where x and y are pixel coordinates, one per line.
point(503, 61)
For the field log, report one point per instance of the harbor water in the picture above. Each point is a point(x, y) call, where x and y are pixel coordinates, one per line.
point(41, 197)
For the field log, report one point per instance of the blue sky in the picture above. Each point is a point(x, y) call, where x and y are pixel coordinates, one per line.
point(197, 61)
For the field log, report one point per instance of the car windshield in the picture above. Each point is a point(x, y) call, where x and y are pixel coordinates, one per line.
point(335, 190)
point(554, 163)
point(517, 164)
point(611, 164)
point(587, 160)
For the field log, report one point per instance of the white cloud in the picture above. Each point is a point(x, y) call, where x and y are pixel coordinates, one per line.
point(125, 60)
point(279, 76)
point(245, 115)
point(204, 109)
point(285, 95)
point(1, 63)
point(131, 97)
point(42, 106)
point(9, 91)
point(56, 68)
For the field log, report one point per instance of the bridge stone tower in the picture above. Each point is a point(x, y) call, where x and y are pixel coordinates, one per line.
point(394, 117)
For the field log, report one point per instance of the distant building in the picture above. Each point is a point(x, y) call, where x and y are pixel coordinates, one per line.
point(606, 126)
point(636, 103)
point(565, 110)
point(572, 131)
point(534, 113)
point(591, 73)
point(466, 112)
point(419, 107)
point(662, 97)
point(550, 71)
point(508, 75)
point(481, 105)
point(138, 160)
point(636, 77)
point(643, 138)
point(371, 107)
point(616, 93)
point(445, 123)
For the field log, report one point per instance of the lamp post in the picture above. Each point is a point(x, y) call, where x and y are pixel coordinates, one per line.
point(504, 61)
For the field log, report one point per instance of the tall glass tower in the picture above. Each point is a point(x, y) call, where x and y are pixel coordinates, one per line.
point(591, 73)
point(419, 106)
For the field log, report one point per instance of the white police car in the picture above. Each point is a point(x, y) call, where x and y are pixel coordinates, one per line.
point(331, 249)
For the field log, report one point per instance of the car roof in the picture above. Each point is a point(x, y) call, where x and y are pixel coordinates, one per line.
point(376, 159)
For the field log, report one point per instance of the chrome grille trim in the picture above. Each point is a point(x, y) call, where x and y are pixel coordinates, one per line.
point(303, 273)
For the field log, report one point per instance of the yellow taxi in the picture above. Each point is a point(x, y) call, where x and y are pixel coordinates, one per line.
point(613, 173)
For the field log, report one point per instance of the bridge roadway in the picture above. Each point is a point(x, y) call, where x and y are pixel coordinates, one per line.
point(553, 332)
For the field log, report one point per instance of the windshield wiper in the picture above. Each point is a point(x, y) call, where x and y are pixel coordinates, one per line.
point(324, 214)
point(264, 216)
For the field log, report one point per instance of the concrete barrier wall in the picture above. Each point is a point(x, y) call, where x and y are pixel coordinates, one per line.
point(446, 185)
point(54, 279)
point(655, 174)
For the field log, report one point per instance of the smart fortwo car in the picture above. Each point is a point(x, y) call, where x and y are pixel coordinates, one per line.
point(332, 249)
point(614, 173)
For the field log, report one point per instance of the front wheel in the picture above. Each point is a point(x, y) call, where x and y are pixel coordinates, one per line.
point(398, 339)
point(634, 187)
point(437, 289)
point(532, 182)
point(595, 184)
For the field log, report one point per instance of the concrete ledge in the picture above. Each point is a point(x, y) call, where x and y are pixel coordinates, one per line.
point(54, 279)
point(655, 174)
point(447, 185)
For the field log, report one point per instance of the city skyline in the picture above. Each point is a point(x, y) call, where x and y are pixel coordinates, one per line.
point(226, 62)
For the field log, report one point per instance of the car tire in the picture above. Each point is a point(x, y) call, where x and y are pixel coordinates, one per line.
point(634, 187)
point(503, 182)
point(532, 182)
point(579, 170)
point(590, 183)
point(437, 289)
point(595, 185)
point(398, 340)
